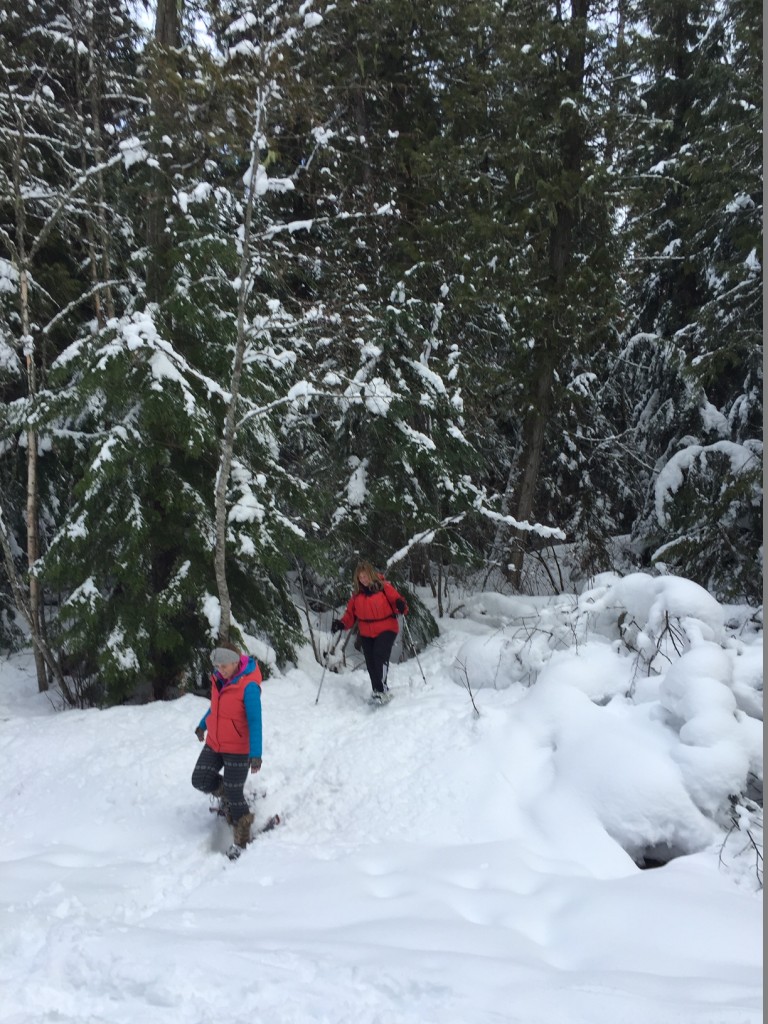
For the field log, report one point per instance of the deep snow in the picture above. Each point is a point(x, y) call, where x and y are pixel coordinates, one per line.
point(433, 867)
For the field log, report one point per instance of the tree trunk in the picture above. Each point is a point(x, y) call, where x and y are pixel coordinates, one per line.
point(87, 83)
point(33, 535)
point(167, 38)
point(534, 431)
point(561, 251)
point(42, 650)
point(168, 23)
point(230, 422)
point(105, 289)
point(30, 604)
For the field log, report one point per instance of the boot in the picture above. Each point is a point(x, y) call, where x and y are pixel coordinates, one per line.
point(218, 792)
point(242, 830)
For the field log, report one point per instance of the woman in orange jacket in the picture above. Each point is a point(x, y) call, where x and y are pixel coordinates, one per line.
point(374, 606)
point(233, 741)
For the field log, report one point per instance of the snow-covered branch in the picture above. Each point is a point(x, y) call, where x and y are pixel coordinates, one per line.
point(425, 537)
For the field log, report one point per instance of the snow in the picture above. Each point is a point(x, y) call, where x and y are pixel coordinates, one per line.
point(672, 476)
point(9, 277)
point(357, 486)
point(433, 865)
point(712, 419)
point(133, 152)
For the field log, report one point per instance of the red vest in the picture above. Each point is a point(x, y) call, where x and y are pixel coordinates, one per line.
point(227, 723)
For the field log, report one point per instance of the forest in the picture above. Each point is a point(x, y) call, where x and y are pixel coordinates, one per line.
point(466, 289)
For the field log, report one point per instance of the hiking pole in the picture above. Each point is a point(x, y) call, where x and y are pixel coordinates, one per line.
point(413, 648)
point(325, 669)
point(322, 677)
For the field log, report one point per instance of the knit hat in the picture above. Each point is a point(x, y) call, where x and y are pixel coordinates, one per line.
point(223, 656)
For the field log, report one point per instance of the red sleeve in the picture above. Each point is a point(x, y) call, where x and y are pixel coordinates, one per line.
point(392, 595)
point(349, 617)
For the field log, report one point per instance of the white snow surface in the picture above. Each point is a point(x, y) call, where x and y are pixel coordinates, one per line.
point(432, 867)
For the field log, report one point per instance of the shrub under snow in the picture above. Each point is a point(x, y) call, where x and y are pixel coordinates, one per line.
point(647, 691)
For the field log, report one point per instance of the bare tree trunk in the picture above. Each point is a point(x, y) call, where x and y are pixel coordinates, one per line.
point(168, 23)
point(98, 152)
point(92, 137)
point(33, 535)
point(615, 85)
point(228, 438)
point(34, 603)
point(42, 650)
point(30, 604)
point(167, 38)
point(534, 430)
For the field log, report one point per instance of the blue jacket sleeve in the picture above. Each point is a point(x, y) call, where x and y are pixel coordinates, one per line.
point(204, 719)
point(252, 701)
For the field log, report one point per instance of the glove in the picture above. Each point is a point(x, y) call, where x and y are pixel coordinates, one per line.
point(255, 764)
point(200, 733)
point(400, 605)
point(336, 626)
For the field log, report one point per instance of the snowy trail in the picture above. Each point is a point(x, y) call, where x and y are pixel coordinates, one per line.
point(432, 868)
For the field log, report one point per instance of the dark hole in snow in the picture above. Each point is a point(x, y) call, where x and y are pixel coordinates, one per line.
point(649, 862)
point(656, 856)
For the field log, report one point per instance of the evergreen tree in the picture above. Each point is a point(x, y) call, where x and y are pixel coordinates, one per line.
point(527, 218)
point(59, 63)
point(694, 227)
point(395, 452)
point(158, 385)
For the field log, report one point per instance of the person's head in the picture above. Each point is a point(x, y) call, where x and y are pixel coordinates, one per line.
point(365, 576)
point(225, 658)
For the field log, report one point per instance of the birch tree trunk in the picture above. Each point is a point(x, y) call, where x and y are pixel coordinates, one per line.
point(20, 597)
point(230, 421)
point(33, 512)
point(19, 252)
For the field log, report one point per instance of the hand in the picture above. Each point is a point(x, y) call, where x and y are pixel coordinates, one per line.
point(336, 626)
point(400, 605)
point(255, 764)
point(200, 733)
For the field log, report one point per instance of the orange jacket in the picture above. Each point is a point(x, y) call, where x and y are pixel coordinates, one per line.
point(227, 720)
point(374, 612)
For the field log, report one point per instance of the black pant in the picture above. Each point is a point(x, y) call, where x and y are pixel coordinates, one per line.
point(206, 777)
point(377, 650)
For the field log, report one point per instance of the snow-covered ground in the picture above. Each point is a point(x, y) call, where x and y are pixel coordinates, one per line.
point(434, 866)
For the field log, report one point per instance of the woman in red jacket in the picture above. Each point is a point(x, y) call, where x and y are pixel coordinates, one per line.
point(374, 606)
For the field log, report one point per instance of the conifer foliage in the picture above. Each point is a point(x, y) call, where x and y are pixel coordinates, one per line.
point(292, 283)
point(693, 361)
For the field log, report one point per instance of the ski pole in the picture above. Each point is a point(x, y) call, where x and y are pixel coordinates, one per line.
point(413, 648)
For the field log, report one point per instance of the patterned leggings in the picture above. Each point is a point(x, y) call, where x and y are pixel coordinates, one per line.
point(206, 777)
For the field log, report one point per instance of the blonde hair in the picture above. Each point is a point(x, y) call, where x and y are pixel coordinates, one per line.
point(376, 583)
